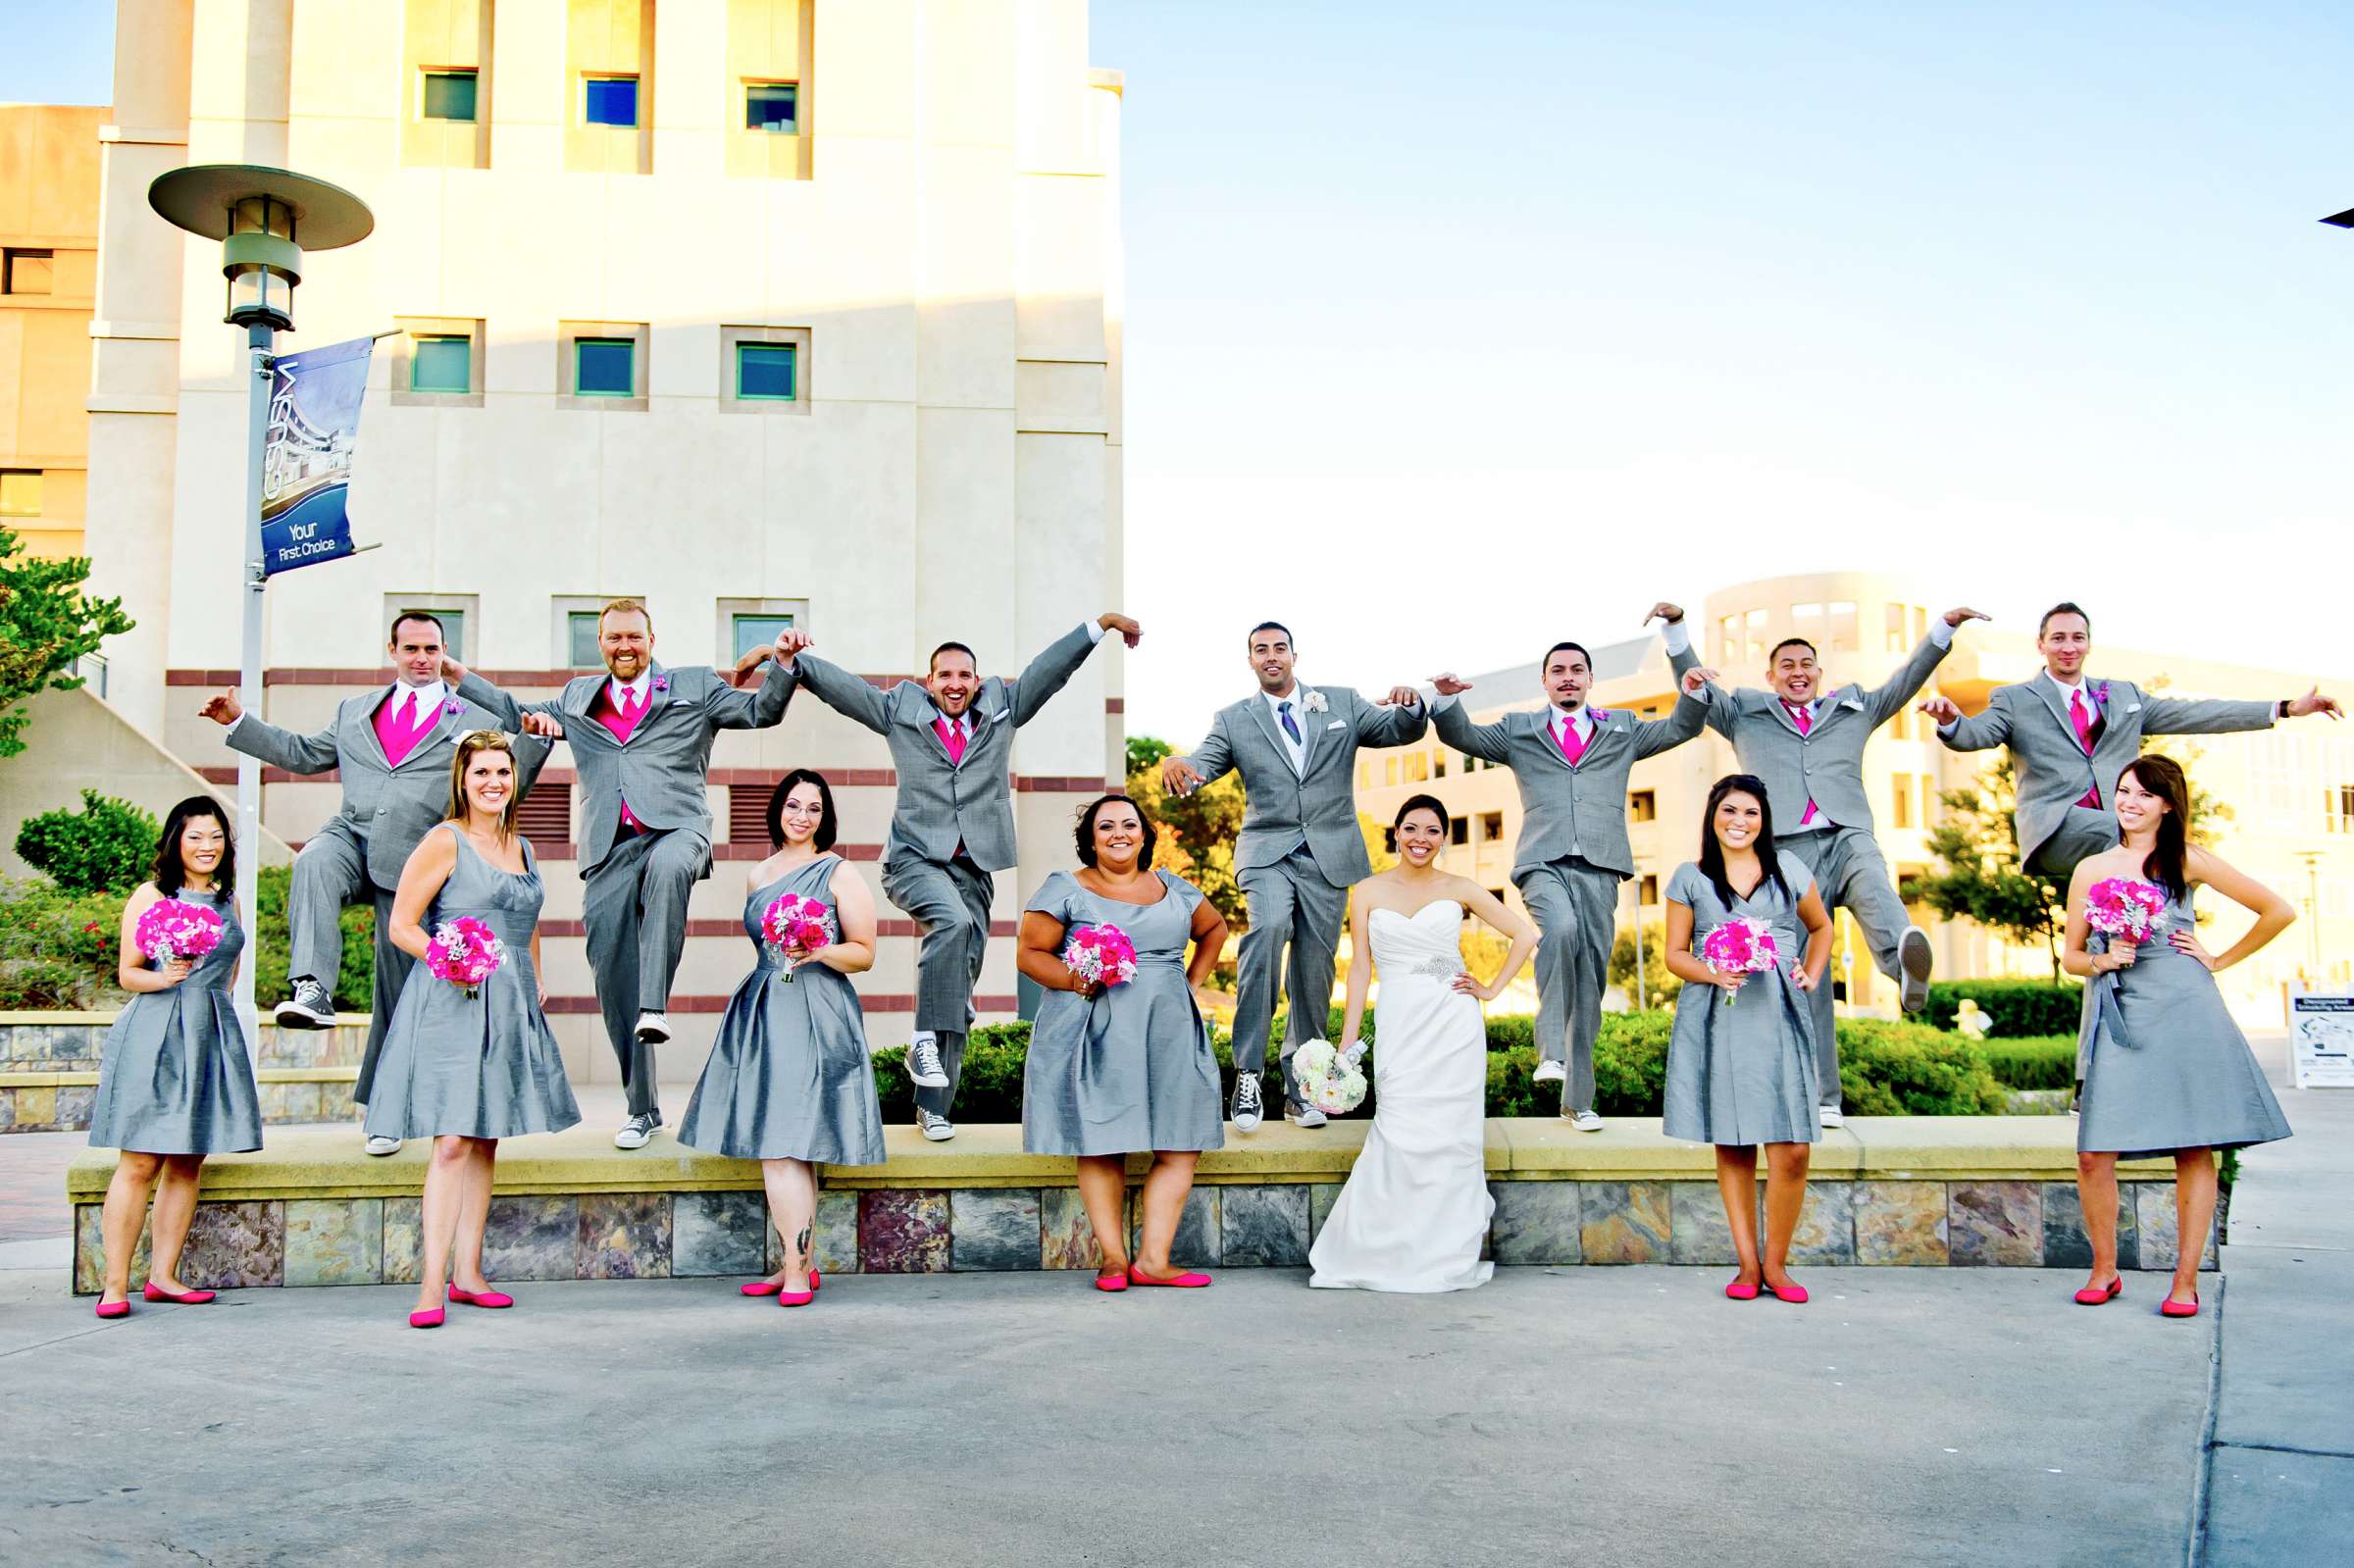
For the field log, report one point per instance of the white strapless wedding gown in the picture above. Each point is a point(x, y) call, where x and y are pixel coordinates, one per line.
point(1416, 1205)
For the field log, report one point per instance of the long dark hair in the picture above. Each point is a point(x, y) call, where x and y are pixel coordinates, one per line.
point(1084, 834)
point(2168, 862)
point(1712, 850)
point(820, 841)
point(170, 875)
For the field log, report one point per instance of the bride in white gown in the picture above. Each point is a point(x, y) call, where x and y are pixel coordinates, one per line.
point(1416, 1205)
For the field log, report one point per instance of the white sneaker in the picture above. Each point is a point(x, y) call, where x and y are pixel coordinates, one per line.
point(1831, 1116)
point(1552, 1072)
point(938, 1129)
point(635, 1133)
point(654, 1028)
point(379, 1145)
point(1300, 1115)
point(923, 1063)
point(1584, 1121)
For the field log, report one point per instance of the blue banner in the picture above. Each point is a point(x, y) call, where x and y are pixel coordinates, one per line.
point(306, 454)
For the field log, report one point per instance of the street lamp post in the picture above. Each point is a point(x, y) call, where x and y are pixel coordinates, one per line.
point(263, 217)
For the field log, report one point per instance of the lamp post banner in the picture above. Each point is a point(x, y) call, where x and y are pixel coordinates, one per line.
point(306, 456)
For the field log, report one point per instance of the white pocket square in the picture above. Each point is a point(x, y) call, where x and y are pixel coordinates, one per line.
point(998, 717)
point(2134, 707)
point(1337, 724)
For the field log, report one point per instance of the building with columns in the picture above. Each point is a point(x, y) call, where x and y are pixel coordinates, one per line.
point(765, 312)
point(48, 270)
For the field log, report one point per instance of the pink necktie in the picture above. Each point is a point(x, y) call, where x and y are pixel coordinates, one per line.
point(951, 736)
point(402, 738)
point(1572, 744)
point(2083, 721)
point(631, 703)
point(1805, 720)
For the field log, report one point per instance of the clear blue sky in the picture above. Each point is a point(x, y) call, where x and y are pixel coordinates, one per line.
point(1455, 331)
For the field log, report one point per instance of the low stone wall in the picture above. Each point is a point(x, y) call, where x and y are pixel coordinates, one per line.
point(49, 1070)
point(1963, 1191)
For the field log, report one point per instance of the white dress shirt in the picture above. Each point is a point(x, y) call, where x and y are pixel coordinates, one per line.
point(1294, 699)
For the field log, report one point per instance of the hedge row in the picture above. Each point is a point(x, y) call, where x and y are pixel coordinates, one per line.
point(2016, 1009)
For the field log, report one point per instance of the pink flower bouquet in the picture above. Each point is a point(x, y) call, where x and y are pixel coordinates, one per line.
point(1740, 946)
point(793, 920)
point(173, 929)
point(465, 952)
point(1101, 955)
point(2126, 910)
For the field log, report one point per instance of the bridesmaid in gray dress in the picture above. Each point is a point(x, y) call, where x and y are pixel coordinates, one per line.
point(789, 1083)
point(469, 1070)
point(175, 1082)
point(1114, 1070)
point(1741, 1064)
point(2166, 1070)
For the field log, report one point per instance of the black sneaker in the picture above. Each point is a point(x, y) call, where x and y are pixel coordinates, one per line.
point(1248, 1109)
point(637, 1131)
point(309, 1007)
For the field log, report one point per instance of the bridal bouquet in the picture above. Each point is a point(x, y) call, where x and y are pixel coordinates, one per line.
point(465, 952)
point(1327, 1079)
point(1101, 955)
point(1739, 946)
point(794, 920)
point(2126, 910)
point(174, 929)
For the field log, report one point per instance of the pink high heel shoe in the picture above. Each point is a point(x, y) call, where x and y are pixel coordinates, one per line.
point(430, 1319)
point(481, 1298)
point(1741, 1292)
point(1189, 1280)
point(114, 1309)
point(156, 1293)
point(2095, 1295)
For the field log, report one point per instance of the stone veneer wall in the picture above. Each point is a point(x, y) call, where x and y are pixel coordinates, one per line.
point(49, 1071)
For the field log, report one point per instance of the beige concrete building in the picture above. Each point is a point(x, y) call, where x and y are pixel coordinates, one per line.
point(764, 311)
point(48, 275)
point(2290, 790)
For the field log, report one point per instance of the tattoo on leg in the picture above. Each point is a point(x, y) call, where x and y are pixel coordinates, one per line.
point(800, 1243)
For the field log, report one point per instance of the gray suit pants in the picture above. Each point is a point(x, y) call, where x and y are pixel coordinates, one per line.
point(332, 872)
point(1852, 874)
point(2082, 833)
point(950, 905)
point(1576, 906)
point(1292, 907)
point(634, 906)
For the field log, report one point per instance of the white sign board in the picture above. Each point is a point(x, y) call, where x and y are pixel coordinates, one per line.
point(2321, 1038)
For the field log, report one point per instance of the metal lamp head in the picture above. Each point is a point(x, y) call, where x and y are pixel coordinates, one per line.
point(263, 217)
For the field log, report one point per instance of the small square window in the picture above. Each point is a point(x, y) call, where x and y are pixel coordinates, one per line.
point(441, 365)
point(765, 372)
point(611, 101)
point(1643, 805)
point(752, 630)
point(20, 492)
point(1647, 892)
point(1459, 832)
point(604, 366)
point(581, 644)
point(772, 106)
point(449, 95)
point(1491, 826)
point(28, 271)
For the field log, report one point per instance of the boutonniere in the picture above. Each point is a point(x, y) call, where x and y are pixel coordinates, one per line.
point(1315, 701)
point(2100, 693)
point(661, 683)
point(452, 708)
point(1600, 716)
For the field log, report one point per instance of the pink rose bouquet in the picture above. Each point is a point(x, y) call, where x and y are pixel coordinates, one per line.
point(2126, 910)
point(465, 952)
point(172, 928)
point(1101, 955)
point(1740, 946)
point(793, 920)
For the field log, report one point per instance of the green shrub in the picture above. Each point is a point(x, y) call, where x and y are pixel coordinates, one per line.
point(1890, 1069)
point(2016, 1009)
point(56, 949)
point(2049, 1063)
point(354, 988)
point(107, 847)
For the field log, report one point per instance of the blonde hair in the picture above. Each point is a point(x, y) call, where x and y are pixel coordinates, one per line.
point(471, 747)
point(625, 607)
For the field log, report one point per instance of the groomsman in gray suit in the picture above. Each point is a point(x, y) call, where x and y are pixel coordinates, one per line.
point(640, 736)
point(2070, 736)
point(1806, 744)
point(952, 741)
point(1572, 762)
point(1299, 850)
point(390, 747)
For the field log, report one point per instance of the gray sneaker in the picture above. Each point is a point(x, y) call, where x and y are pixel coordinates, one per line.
point(938, 1129)
point(381, 1145)
point(1301, 1115)
point(1912, 956)
point(924, 1069)
point(309, 1007)
point(1249, 1107)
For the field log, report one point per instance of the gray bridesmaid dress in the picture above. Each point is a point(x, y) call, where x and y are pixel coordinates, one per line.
point(1744, 1071)
point(1130, 1069)
point(2165, 1068)
point(788, 1075)
point(485, 1067)
point(176, 1076)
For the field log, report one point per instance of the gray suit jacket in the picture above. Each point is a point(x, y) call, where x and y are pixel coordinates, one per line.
point(1569, 811)
point(2031, 719)
point(1281, 807)
point(942, 803)
point(387, 808)
point(1826, 765)
point(664, 770)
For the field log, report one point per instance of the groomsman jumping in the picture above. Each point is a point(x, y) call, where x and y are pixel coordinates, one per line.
point(390, 747)
point(1572, 762)
point(1806, 744)
point(952, 741)
point(2070, 736)
point(1299, 850)
point(640, 736)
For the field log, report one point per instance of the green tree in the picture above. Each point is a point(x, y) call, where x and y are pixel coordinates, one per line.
point(1196, 831)
point(107, 847)
point(1659, 986)
point(1146, 751)
point(1980, 875)
point(47, 624)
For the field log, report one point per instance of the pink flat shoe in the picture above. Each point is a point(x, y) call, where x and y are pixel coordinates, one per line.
point(1111, 1282)
point(2094, 1295)
point(1795, 1294)
point(2172, 1308)
point(760, 1286)
point(1187, 1281)
point(793, 1299)
point(156, 1293)
point(426, 1320)
point(114, 1309)
point(1741, 1292)
point(481, 1298)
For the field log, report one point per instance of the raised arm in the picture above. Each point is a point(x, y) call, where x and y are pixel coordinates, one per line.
point(1988, 728)
point(530, 755)
point(1399, 719)
point(852, 696)
point(1058, 662)
point(727, 708)
point(1884, 702)
point(482, 694)
point(2203, 716)
point(1686, 720)
point(255, 736)
point(1206, 764)
point(1486, 741)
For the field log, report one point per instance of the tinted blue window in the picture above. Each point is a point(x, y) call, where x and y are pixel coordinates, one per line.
point(764, 371)
point(612, 101)
point(449, 94)
point(604, 366)
point(441, 365)
point(772, 106)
